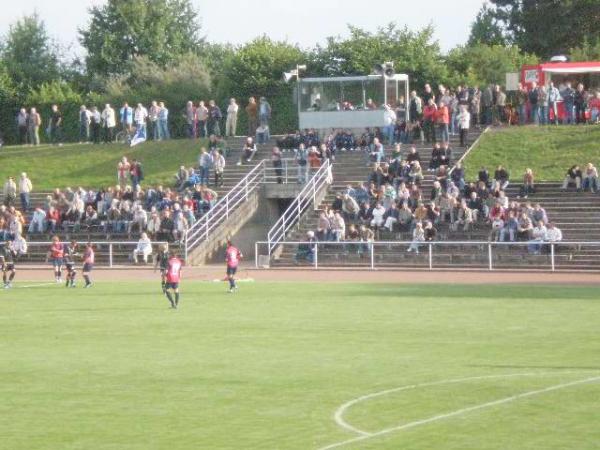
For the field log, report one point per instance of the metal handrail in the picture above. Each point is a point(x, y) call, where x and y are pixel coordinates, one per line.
point(306, 197)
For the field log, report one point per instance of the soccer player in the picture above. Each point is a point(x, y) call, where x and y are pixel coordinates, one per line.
point(173, 275)
point(162, 259)
point(88, 264)
point(232, 258)
point(7, 263)
point(70, 254)
point(56, 255)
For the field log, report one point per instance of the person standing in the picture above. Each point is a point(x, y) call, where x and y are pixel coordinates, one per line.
point(8, 255)
point(84, 124)
point(264, 112)
point(25, 188)
point(553, 98)
point(580, 103)
point(10, 192)
point(487, 102)
point(204, 163)
point(140, 117)
point(389, 124)
point(522, 96)
point(110, 122)
point(153, 120)
point(214, 116)
point(277, 164)
point(252, 113)
point(70, 255)
point(163, 122)
point(173, 277)
point(231, 123)
point(568, 95)
point(543, 100)
point(95, 124)
point(202, 115)
point(218, 161)
point(56, 122)
point(190, 120)
point(464, 123)
point(22, 119)
point(126, 117)
point(56, 255)
point(232, 258)
point(533, 97)
point(33, 126)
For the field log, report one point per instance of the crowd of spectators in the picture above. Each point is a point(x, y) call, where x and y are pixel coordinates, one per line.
point(585, 179)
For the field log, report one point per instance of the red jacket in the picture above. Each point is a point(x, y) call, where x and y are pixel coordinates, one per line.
point(442, 115)
point(429, 112)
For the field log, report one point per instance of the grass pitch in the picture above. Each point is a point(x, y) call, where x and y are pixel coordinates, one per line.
point(266, 368)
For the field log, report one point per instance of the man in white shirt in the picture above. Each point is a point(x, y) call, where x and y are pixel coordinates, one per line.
point(140, 116)
point(109, 121)
point(538, 235)
point(231, 123)
point(25, 188)
point(144, 248)
point(464, 123)
point(389, 124)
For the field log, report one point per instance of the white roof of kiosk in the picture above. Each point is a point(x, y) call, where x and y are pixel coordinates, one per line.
point(397, 77)
point(571, 69)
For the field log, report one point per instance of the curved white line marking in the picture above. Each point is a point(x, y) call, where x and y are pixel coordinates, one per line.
point(365, 435)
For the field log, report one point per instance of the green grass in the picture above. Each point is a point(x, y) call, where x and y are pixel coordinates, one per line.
point(94, 166)
point(549, 151)
point(113, 368)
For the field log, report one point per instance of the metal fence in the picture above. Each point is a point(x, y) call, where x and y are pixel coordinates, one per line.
point(437, 255)
point(106, 251)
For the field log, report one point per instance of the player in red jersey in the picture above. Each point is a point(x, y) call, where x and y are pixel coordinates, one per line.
point(232, 257)
point(173, 276)
point(56, 255)
point(88, 263)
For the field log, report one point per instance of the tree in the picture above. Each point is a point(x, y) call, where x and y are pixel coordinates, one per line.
point(482, 64)
point(414, 53)
point(548, 27)
point(30, 57)
point(122, 30)
point(486, 29)
point(256, 69)
point(588, 51)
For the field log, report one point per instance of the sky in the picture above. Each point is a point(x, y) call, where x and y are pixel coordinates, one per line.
point(299, 21)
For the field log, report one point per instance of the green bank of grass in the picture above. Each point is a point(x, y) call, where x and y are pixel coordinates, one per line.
point(113, 368)
point(549, 151)
point(93, 166)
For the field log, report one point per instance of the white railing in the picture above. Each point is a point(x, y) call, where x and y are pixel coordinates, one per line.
point(96, 244)
point(307, 197)
point(482, 255)
point(263, 173)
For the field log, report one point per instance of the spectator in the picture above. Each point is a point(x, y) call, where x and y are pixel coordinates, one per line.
point(430, 231)
point(126, 117)
point(277, 164)
point(252, 113)
point(580, 99)
point(497, 228)
point(543, 101)
point(590, 178)
point(538, 233)
point(264, 112)
point(190, 120)
point(338, 227)
point(528, 184)
point(35, 121)
point(144, 248)
point(214, 118)
point(522, 98)
point(487, 101)
point(38, 221)
point(123, 169)
point(464, 123)
point(391, 217)
point(302, 162)
point(553, 236)
point(511, 227)
point(574, 176)
point(442, 118)
point(378, 216)
point(501, 179)
point(202, 119)
point(568, 96)
point(140, 117)
point(377, 153)
point(25, 188)
point(163, 122)
point(109, 122)
point(153, 120)
point(248, 151)
point(204, 163)
point(525, 228)
point(10, 192)
point(85, 117)
point(56, 122)
point(595, 108)
point(429, 113)
point(22, 121)
point(306, 250)
point(500, 103)
point(553, 99)
point(418, 238)
point(218, 161)
point(533, 98)
point(231, 123)
point(464, 217)
point(389, 121)
point(95, 124)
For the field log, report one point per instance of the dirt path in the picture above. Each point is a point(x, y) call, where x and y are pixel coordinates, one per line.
point(210, 273)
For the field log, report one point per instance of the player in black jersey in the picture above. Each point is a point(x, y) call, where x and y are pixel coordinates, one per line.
point(69, 258)
point(7, 262)
point(162, 262)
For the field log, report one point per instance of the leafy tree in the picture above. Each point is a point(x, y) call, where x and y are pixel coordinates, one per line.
point(486, 29)
point(548, 27)
point(122, 30)
point(482, 64)
point(30, 57)
point(589, 51)
point(414, 53)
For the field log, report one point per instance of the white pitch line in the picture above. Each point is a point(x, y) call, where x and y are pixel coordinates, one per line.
point(18, 286)
point(457, 412)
